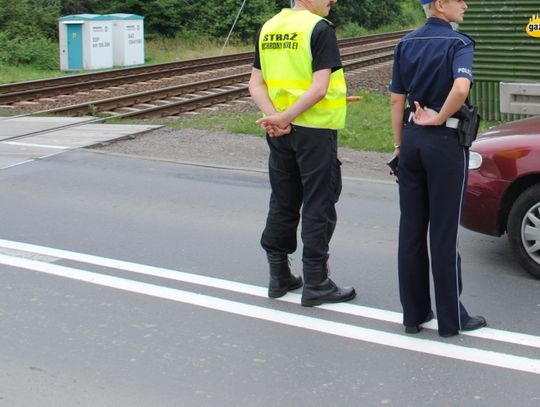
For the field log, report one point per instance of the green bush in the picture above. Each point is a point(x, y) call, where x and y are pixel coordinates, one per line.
point(351, 30)
point(36, 51)
point(368, 13)
point(21, 17)
point(29, 33)
point(411, 14)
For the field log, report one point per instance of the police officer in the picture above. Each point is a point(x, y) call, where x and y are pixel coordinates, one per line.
point(298, 84)
point(432, 72)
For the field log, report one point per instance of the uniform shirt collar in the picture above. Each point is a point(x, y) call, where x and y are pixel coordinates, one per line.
point(438, 22)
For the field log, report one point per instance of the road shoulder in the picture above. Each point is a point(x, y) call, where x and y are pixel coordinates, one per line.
point(219, 148)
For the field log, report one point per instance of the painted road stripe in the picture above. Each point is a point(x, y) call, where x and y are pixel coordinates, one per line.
point(475, 355)
point(17, 143)
point(344, 308)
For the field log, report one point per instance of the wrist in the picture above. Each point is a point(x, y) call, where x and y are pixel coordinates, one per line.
point(439, 122)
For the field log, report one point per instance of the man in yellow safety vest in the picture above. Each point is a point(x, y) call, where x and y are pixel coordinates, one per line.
point(298, 84)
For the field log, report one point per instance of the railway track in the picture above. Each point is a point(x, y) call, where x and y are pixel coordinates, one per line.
point(179, 99)
point(47, 88)
point(165, 101)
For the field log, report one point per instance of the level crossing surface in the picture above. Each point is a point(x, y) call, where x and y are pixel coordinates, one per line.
point(135, 282)
point(24, 139)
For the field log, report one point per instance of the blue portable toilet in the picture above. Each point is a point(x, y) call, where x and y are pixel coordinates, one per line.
point(85, 42)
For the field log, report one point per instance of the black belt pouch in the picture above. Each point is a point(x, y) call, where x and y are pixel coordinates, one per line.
point(469, 121)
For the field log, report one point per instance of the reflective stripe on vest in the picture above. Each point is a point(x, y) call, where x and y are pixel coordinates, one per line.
point(286, 62)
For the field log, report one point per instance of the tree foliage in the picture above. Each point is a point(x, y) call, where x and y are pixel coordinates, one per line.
point(28, 32)
point(366, 13)
point(78, 6)
point(27, 18)
point(214, 18)
point(28, 28)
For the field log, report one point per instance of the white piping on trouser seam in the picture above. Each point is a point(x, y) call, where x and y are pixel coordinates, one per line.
point(457, 228)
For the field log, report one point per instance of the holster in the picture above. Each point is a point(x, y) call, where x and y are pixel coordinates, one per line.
point(407, 114)
point(469, 121)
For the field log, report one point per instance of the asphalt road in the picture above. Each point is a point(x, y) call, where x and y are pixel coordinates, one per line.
point(131, 282)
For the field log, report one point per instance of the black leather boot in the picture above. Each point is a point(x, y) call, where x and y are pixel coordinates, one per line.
point(281, 278)
point(319, 289)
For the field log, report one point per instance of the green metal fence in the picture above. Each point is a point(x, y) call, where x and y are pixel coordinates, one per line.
point(504, 52)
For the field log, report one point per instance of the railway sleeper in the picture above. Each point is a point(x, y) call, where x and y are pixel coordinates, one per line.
point(123, 110)
point(142, 106)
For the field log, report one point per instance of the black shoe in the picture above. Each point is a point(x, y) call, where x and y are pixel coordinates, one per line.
point(448, 334)
point(326, 292)
point(474, 323)
point(278, 287)
point(417, 328)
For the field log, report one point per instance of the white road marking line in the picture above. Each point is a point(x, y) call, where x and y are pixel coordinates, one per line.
point(31, 160)
point(475, 355)
point(16, 164)
point(17, 143)
point(344, 308)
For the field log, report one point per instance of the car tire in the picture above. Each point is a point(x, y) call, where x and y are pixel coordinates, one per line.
point(524, 229)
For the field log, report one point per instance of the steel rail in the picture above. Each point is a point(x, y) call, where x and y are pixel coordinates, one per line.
point(222, 96)
point(102, 83)
point(10, 93)
point(117, 102)
point(105, 105)
point(115, 73)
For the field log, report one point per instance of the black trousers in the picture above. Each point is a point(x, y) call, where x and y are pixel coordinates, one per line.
point(433, 170)
point(305, 177)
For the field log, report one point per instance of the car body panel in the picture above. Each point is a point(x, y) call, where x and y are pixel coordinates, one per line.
point(482, 202)
point(510, 158)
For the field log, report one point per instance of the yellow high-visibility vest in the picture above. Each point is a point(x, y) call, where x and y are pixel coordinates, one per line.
point(286, 62)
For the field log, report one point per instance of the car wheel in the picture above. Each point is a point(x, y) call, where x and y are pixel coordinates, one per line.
point(524, 229)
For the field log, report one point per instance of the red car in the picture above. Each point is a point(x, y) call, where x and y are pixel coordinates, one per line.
point(503, 193)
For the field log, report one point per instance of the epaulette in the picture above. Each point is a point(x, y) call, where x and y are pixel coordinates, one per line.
point(467, 36)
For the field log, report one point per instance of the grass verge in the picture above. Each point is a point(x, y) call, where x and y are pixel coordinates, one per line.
point(368, 124)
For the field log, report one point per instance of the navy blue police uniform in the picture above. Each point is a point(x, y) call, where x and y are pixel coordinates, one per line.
point(432, 175)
